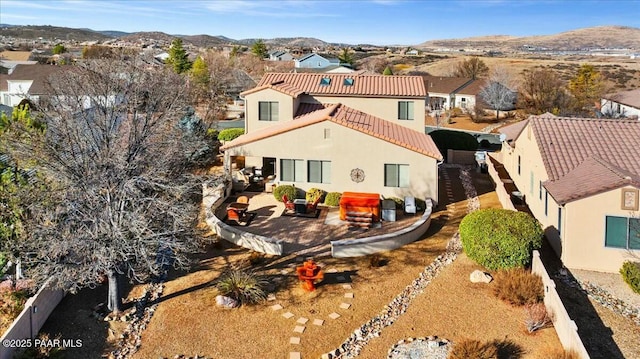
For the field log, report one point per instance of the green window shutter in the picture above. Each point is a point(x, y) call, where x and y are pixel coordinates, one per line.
point(634, 233)
point(616, 232)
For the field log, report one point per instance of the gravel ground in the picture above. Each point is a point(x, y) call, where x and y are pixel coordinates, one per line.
point(612, 283)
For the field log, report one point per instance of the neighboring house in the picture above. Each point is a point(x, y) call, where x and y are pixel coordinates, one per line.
point(279, 55)
point(240, 81)
point(331, 69)
point(412, 52)
point(25, 82)
point(340, 132)
point(580, 178)
point(442, 90)
point(621, 104)
point(468, 96)
point(315, 61)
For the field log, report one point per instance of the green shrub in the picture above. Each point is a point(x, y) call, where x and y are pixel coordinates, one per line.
point(518, 287)
point(500, 238)
point(332, 199)
point(473, 349)
point(631, 274)
point(230, 134)
point(290, 190)
point(453, 140)
point(314, 193)
point(242, 286)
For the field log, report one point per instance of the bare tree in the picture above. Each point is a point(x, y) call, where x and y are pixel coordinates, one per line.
point(473, 68)
point(499, 91)
point(543, 91)
point(122, 201)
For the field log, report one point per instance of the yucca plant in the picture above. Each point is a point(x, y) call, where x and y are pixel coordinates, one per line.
point(243, 286)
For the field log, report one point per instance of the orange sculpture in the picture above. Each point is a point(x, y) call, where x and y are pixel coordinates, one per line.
point(308, 273)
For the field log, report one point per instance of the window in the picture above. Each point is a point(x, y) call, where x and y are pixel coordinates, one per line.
point(519, 164)
point(622, 232)
point(531, 181)
point(405, 110)
point(327, 133)
point(463, 102)
point(319, 171)
point(546, 203)
point(540, 190)
point(292, 170)
point(396, 175)
point(560, 221)
point(325, 81)
point(348, 81)
point(267, 111)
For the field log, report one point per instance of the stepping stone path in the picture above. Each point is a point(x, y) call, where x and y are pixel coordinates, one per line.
point(300, 327)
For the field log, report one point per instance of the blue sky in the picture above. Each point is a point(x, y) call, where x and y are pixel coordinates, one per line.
point(380, 22)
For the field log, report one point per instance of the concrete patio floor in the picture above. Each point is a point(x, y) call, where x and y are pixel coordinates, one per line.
point(310, 236)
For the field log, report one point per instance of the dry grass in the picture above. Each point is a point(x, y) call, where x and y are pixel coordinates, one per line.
point(557, 353)
point(518, 287)
point(473, 349)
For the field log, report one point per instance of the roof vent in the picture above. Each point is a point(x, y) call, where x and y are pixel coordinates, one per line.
point(325, 81)
point(348, 81)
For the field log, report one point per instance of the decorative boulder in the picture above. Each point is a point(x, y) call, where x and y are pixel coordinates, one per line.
point(226, 302)
point(478, 276)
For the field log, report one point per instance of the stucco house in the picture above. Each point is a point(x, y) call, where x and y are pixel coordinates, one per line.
point(315, 61)
point(340, 132)
point(25, 82)
point(441, 91)
point(280, 55)
point(621, 104)
point(580, 177)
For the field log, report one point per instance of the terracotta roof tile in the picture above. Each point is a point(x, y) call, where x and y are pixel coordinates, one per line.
point(364, 84)
point(603, 151)
point(350, 118)
point(590, 177)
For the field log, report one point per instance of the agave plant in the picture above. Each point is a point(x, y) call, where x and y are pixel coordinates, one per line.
point(243, 286)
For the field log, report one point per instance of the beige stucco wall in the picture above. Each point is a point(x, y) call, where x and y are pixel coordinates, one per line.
point(286, 108)
point(346, 149)
point(384, 108)
point(585, 222)
point(581, 243)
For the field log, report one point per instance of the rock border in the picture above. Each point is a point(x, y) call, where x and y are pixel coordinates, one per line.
point(444, 345)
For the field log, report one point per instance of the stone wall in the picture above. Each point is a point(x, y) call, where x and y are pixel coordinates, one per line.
point(352, 247)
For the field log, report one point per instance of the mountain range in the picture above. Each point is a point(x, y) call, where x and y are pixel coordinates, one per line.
point(609, 37)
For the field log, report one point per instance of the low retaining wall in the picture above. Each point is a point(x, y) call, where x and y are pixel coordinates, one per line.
point(27, 325)
point(566, 328)
point(461, 157)
point(352, 247)
point(503, 196)
point(212, 198)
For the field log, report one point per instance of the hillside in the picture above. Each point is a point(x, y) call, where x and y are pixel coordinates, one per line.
point(205, 40)
point(610, 37)
point(33, 32)
point(288, 41)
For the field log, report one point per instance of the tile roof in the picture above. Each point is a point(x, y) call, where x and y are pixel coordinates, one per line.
point(350, 118)
point(364, 84)
point(583, 146)
point(590, 177)
point(448, 85)
point(513, 131)
point(629, 98)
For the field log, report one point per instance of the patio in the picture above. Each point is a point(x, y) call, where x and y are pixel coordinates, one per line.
point(303, 234)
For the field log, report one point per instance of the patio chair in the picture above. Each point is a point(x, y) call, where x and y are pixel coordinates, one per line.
point(233, 215)
point(313, 206)
point(410, 205)
point(288, 204)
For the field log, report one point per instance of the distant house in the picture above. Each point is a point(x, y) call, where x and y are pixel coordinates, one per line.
point(25, 82)
point(441, 91)
point(468, 96)
point(621, 104)
point(331, 69)
point(279, 55)
point(580, 178)
point(412, 52)
point(315, 61)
